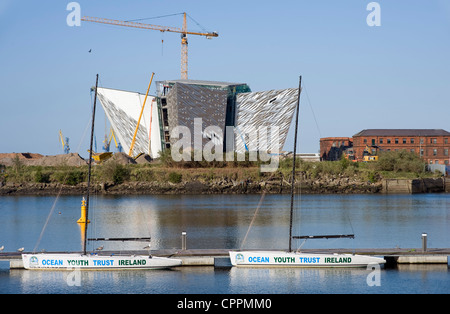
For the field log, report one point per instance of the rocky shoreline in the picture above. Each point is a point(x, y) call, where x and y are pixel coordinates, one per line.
point(35, 174)
point(330, 185)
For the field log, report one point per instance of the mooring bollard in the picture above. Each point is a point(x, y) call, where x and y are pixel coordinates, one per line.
point(424, 242)
point(183, 240)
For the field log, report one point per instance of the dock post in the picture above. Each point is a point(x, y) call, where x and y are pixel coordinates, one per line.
point(183, 240)
point(424, 242)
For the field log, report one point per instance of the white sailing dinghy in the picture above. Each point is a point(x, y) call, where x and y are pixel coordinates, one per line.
point(249, 258)
point(85, 261)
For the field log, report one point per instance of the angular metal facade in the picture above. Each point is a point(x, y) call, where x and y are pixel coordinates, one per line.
point(218, 104)
point(185, 102)
point(123, 109)
point(163, 89)
point(263, 109)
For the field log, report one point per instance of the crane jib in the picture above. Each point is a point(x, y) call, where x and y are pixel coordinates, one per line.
point(183, 31)
point(147, 26)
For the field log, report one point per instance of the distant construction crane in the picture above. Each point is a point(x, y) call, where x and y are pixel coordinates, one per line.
point(183, 31)
point(107, 141)
point(65, 143)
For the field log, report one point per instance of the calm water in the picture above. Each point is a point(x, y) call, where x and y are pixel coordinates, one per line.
point(218, 221)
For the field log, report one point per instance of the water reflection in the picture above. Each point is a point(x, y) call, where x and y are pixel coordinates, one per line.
point(222, 221)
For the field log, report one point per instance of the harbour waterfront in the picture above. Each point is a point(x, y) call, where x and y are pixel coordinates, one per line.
point(222, 221)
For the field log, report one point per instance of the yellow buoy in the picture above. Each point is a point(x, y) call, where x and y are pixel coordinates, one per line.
point(83, 217)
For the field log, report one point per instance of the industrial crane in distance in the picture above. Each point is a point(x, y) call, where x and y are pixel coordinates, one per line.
point(65, 143)
point(107, 141)
point(183, 31)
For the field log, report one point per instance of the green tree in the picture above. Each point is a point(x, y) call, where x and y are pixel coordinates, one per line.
point(401, 160)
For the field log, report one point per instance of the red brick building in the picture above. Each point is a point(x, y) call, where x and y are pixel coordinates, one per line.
point(331, 148)
point(433, 145)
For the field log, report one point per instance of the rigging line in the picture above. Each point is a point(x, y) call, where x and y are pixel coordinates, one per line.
point(142, 215)
point(52, 209)
point(298, 200)
point(94, 196)
point(310, 106)
point(83, 136)
point(168, 15)
point(48, 219)
point(297, 212)
point(253, 219)
point(350, 222)
point(162, 44)
point(144, 220)
point(154, 17)
point(301, 245)
point(198, 24)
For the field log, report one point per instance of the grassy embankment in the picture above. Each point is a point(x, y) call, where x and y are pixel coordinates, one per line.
point(400, 165)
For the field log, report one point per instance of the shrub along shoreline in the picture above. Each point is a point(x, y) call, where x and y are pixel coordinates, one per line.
point(164, 176)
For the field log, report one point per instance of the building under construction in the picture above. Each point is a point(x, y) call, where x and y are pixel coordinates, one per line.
point(221, 106)
point(180, 102)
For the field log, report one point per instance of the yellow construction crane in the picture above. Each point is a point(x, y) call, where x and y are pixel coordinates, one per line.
point(183, 31)
point(65, 144)
point(108, 139)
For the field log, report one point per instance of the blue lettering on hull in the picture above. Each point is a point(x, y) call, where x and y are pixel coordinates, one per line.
point(309, 260)
point(258, 259)
point(52, 262)
point(108, 262)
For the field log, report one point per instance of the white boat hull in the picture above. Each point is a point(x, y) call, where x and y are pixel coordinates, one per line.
point(69, 261)
point(297, 259)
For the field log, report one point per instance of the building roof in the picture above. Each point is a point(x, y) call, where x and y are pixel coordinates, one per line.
point(202, 82)
point(338, 138)
point(402, 132)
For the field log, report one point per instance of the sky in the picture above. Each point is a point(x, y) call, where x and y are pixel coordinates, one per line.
point(355, 76)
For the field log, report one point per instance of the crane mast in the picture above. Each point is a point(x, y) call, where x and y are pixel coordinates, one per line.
point(183, 31)
point(184, 50)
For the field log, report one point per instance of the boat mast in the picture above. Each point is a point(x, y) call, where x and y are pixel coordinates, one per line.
point(89, 171)
point(293, 164)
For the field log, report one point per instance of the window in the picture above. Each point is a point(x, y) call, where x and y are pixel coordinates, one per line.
point(421, 141)
point(404, 141)
point(365, 141)
point(421, 152)
point(412, 141)
point(435, 152)
point(381, 141)
point(389, 141)
point(396, 141)
point(445, 140)
point(445, 151)
point(373, 142)
point(433, 141)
